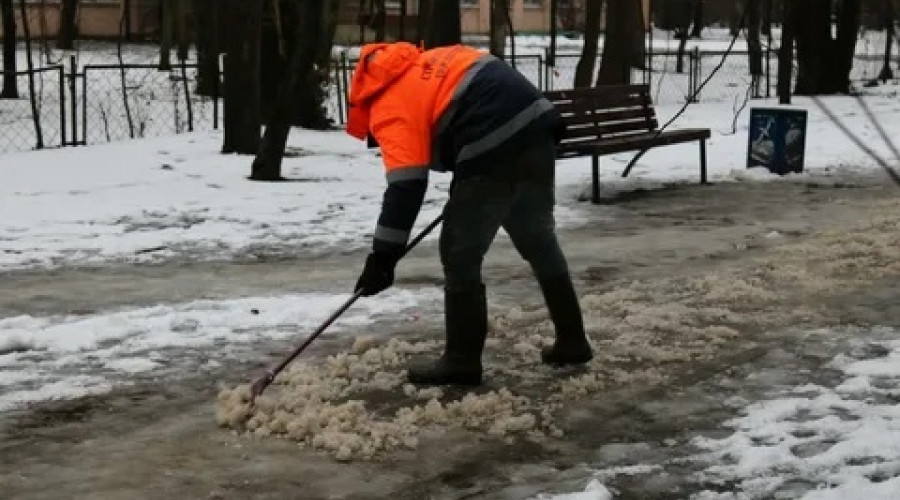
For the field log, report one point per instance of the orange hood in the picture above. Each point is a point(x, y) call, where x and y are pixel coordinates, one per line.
point(380, 65)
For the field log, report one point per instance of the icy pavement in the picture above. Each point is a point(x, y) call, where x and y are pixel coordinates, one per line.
point(816, 442)
point(47, 358)
point(801, 431)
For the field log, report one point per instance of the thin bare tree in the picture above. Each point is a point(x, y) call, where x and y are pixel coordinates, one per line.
point(267, 163)
point(68, 24)
point(444, 25)
point(10, 88)
point(584, 70)
point(623, 42)
point(29, 65)
point(824, 61)
point(241, 108)
point(889, 18)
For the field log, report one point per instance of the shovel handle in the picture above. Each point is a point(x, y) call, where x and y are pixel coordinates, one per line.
point(262, 382)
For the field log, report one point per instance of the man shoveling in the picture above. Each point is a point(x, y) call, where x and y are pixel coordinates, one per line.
point(460, 110)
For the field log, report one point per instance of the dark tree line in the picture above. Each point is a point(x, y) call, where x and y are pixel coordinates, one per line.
point(276, 53)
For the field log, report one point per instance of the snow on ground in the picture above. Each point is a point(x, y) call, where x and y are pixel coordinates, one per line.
point(178, 197)
point(66, 357)
point(816, 442)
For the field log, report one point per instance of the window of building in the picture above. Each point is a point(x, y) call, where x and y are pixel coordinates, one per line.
point(468, 3)
point(532, 3)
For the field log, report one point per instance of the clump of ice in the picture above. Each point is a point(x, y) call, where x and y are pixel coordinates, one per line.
point(594, 490)
point(314, 404)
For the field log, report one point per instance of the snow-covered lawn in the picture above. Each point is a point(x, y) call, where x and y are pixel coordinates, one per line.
point(839, 442)
point(47, 358)
point(178, 197)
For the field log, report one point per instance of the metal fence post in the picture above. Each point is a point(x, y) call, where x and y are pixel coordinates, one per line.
point(73, 90)
point(84, 106)
point(62, 106)
point(216, 86)
point(690, 90)
point(345, 67)
point(338, 89)
point(695, 92)
point(540, 72)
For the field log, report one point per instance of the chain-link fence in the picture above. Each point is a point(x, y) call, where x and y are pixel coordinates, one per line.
point(82, 98)
point(33, 125)
point(138, 100)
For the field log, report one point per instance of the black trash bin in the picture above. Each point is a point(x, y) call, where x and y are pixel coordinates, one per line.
point(777, 139)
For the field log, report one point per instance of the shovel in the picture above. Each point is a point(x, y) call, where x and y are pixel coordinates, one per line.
point(262, 382)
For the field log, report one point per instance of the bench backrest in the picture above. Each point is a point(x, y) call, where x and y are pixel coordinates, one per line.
point(603, 112)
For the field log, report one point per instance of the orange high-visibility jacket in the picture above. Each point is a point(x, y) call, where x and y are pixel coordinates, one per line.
point(434, 109)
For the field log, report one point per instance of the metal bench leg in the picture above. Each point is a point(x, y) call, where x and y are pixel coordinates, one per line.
point(595, 179)
point(703, 161)
point(633, 161)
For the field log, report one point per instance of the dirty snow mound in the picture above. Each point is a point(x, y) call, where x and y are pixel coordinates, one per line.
point(355, 404)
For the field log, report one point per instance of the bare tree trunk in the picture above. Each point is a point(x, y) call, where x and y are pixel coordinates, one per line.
point(681, 32)
point(331, 15)
point(182, 34)
point(378, 21)
point(166, 33)
point(123, 83)
point(242, 82)
point(126, 15)
point(10, 88)
point(267, 164)
point(422, 18)
point(29, 64)
point(754, 46)
point(206, 14)
point(278, 25)
point(824, 63)
point(814, 45)
point(68, 26)
point(849, 19)
point(737, 12)
point(499, 28)
point(443, 24)
point(766, 28)
point(624, 26)
point(889, 17)
point(311, 89)
point(698, 23)
point(584, 71)
point(786, 53)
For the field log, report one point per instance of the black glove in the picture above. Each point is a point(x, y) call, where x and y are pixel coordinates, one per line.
point(377, 276)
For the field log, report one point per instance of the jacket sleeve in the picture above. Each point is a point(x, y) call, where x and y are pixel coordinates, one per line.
point(407, 180)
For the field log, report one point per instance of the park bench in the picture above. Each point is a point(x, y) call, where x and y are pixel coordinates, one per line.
point(611, 119)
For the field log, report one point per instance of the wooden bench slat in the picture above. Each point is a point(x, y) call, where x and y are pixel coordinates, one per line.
point(608, 128)
point(604, 102)
point(611, 90)
point(575, 119)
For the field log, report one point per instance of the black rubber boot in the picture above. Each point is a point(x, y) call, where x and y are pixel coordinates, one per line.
point(571, 346)
point(465, 315)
